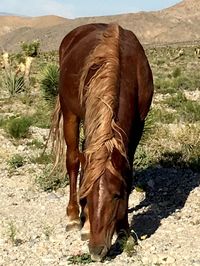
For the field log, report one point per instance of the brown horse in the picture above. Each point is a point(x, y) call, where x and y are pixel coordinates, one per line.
point(105, 81)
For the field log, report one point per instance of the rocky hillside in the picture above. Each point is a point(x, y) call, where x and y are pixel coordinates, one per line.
point(178, 23)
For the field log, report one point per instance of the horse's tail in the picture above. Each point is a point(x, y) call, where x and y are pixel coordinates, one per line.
point(56, 134)
point(99, 93)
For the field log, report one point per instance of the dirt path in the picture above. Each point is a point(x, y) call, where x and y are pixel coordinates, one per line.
point(166, 218)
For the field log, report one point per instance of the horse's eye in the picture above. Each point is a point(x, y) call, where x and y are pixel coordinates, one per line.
point(117, 196)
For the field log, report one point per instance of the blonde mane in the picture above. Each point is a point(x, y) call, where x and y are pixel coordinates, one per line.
point(100, 96)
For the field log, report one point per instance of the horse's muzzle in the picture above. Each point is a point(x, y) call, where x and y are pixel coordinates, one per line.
point(98, 252)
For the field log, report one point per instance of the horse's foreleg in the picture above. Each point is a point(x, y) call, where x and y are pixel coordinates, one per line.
point(85, 231)
point(71, 133)
point(122, 225)
point(123, 231)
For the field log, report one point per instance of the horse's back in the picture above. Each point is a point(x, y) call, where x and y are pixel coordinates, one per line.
point(74, 49)
point(77, 46)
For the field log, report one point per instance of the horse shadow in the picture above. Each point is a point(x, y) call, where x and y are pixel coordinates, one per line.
point(166, 191)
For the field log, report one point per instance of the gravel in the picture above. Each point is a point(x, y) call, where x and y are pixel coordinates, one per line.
point(166, 217)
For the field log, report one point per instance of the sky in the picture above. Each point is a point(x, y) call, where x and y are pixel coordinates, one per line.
point(81, 8)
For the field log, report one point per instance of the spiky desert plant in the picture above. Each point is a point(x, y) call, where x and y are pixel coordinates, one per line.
point(16, 80)
point(49, 82)
point(12, 81)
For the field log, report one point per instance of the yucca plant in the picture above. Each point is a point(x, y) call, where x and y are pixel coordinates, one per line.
point(49, 82)
point(16, 80)
point(13, 82)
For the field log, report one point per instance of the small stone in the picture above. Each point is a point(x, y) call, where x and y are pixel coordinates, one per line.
point(170, 260)
point(144, 237)
point(154, 259)
point(2, 242)
point(145, 260)
point(165, 259)
point(48, 260)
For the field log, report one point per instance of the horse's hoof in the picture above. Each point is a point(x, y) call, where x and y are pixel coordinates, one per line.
point(85, 235)
point(75, 224)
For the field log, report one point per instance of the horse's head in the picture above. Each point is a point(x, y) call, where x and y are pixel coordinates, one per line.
point(107, 205)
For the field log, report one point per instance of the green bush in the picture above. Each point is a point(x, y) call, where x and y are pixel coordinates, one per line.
point(80, 259)
point(31, 49)
point(16, 161)
point(19, 127)
point(176, 73)
point(49, 181)
point(49, 82)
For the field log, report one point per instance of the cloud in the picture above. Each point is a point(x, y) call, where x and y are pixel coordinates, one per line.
point(37, 8)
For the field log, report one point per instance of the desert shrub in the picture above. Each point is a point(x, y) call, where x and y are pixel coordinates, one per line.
point(176, 73)
point(49, 181)
point(160, 115)
point(41, 117)
point(182, 82)
point(18, 127)
point(35, 144)
point(43, 158)
point(142, 159)
point(80, 259)
point(49, 82)
point(187, 110)
point(31, 49)
point(16, 161)
point(164, 85)
point(176, 101)
point(190, 111)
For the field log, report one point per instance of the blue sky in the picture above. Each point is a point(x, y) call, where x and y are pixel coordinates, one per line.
point(81, 8)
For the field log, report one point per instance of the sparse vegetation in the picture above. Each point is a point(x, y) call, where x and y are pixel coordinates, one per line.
point(31, 49)
point(130, 247)
point(80, 259)
point(43, 158)
point(42, 116)
point(16, 161)
point(176, 72)
point(49, 181)
point(12, 232)
point(172, 109)
point(47, 230)
point(36, 144)
point(19, 127)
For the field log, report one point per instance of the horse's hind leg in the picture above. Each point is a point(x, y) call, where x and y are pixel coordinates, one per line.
point(71, 134)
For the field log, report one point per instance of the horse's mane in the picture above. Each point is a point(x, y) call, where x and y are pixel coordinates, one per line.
point(100, 96)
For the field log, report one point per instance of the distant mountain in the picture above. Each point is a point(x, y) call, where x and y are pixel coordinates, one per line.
point(179, 23)
point(6, 14)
